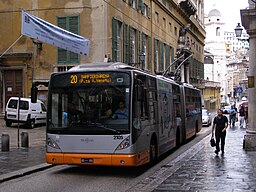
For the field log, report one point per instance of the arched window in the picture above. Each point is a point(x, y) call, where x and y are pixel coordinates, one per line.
point(217, 31)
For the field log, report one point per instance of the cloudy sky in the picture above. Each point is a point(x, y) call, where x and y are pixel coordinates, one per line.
point(229, 9)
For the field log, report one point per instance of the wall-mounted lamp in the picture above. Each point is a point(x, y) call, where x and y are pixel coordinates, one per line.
point(238, 33)
point(38, 44)
point(238, 30)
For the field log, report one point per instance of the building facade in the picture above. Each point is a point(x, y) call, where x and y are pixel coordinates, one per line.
point(215, 45)
point(235, 44)
point(122, 30)
point(237, 82)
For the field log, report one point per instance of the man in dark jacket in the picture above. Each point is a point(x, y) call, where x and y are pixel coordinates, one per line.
point(219, 125)
point(241, 116)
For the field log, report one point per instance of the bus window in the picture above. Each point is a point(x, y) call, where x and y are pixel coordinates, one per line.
point(89, 107)
point(140, 99)
point(176, 100)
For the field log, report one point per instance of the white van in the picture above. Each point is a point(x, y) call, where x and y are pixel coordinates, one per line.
point(30, 113)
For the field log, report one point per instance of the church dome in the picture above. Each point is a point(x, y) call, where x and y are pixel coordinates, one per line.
point(214, 13)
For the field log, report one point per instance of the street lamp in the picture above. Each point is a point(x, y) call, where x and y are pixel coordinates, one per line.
point(238, 30)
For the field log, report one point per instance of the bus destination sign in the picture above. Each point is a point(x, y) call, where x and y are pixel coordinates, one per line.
point(90, 78)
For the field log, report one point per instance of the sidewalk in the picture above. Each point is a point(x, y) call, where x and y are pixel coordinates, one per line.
point(200, 169)
point(19, 161)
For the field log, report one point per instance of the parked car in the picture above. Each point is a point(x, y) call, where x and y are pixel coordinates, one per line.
point(30, 113)
point(206, 117)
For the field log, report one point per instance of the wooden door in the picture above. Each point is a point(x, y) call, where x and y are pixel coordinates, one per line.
point(13, 83)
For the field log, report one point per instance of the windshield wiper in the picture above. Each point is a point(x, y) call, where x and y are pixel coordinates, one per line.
point(106, 128)
point(91, 124)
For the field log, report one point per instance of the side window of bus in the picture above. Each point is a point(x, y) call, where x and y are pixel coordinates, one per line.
point(141, 97)
point(152, 100)
point(176, 100)
point(188, 101)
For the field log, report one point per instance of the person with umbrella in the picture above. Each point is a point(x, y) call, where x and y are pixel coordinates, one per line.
point(241, 116)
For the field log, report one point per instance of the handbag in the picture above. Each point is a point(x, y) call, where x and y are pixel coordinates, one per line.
point(212, 141)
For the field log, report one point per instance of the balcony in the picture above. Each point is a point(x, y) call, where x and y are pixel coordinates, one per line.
point(188, 7)
point(202, 84)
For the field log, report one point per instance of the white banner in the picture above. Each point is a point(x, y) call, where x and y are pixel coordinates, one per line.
point(41, 30)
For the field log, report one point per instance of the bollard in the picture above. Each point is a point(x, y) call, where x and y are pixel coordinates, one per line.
point(24, 139)
point(5, 141)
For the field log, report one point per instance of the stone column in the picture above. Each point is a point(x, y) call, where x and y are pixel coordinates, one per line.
point(248, 17)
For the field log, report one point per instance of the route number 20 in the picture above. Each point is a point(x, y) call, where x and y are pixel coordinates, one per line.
point(73, 79)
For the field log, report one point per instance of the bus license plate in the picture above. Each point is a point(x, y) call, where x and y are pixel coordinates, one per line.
point(86, 160)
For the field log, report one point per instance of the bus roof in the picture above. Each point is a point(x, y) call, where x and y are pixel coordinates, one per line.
point(100, 66)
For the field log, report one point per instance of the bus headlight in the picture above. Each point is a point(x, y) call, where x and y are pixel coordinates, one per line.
point(125, 143)
point(52, 143)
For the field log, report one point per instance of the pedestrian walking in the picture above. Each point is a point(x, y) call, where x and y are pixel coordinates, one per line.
point(246, 116)
point(241, 116)
point(232, 115)
point(219, 126)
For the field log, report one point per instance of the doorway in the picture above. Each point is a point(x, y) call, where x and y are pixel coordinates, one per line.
point(13, 84)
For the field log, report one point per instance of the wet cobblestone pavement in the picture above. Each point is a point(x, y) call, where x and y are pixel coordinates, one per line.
point(200, 169)
point(206, 171)
point(18, 158)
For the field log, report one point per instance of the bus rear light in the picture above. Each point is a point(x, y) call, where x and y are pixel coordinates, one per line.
point(125, 143)
point(52, 143)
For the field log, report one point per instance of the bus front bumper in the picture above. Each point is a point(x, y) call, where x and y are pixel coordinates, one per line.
point(96, 159)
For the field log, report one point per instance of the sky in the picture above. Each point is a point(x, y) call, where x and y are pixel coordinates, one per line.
point(229, 9)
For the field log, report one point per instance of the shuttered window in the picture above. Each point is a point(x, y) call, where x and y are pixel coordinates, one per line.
point(172, 58)
point(161, 56)
point(140, 5)
point(139, 47)
point(167, 56)
point(149, 54)
point(156, 55)
point(132, 50)
point(116, 40)
point(144, 47)
point(126, 44)
point(70, 24)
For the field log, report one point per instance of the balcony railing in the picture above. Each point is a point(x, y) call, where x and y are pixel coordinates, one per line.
point(188, 6)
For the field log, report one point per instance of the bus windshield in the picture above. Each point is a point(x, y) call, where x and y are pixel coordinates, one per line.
point(96, 107)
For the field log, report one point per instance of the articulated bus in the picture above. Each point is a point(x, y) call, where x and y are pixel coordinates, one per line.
point(87, 126)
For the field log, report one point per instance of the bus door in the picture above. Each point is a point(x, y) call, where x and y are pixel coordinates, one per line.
point(140, 114)
point(165, 106)
point(176, 112)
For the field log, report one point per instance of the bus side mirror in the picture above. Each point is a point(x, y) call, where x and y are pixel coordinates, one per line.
point(140, 92)
point(34, 93)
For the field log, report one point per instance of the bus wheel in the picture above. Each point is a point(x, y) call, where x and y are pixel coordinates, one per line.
point(153, 152)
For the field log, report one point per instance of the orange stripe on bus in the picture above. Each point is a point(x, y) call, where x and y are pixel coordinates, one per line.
point(98, 159)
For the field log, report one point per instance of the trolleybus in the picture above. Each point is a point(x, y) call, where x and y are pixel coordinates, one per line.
point(87, 126)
